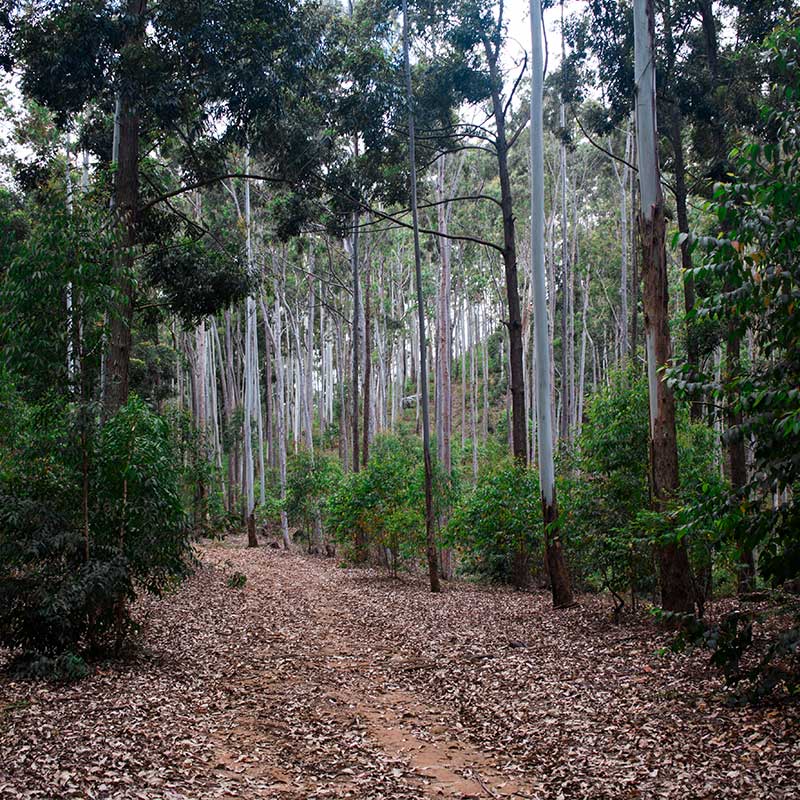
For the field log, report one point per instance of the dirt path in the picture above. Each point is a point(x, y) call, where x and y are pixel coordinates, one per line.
point(318, 682)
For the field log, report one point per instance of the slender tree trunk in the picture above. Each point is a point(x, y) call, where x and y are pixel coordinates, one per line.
point(565, 265)
point(367, 391)
point(444, 422)
point(355, 339)
point(276, 335)
point(554, 555)
point(433, 566)
point(309, 367)
point(509, 261)
point(250, 361)
point(584, 334)
point(622, 178)
point(681, 194)
point(474, 394)
point(675, 578)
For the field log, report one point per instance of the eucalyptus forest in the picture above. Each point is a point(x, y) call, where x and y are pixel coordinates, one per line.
point(399, 399)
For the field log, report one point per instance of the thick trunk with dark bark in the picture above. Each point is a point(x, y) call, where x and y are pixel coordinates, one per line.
point(118, 354)
point(673, 560)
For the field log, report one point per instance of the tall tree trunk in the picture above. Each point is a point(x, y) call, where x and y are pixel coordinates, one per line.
point(232, 404)
point(433, 566)
point(622, 178)
point(367, 391)
point(276, 335)
point(444, 422)
point(250, 360)
point(565, 265)
point(681, 194)
point(675, 578)
point(509, 261)
point(355, 338)
point(199, 382)
point(309, 366)
point(126, 194)
point(584, 335)
point(554, 555)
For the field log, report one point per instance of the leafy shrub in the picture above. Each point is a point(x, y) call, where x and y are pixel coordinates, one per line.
point(498, 526)
point(65, 667)
point(383, 505)
point(758, 651)
point(310, 481)
point(138, 493)
point(64, 579)
point(749, 277)
point(50, 594)
point(608, 523)
point(237, 581)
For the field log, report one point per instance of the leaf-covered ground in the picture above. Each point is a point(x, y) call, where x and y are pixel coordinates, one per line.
point(317, 682)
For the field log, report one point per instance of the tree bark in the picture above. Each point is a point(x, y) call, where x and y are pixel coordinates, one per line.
point(355, 339)
point(673, 561)
point(433, 566)
point(554, 556)
point(367, 391)
point(681, 194)
point(126, 194)
point(509, 261)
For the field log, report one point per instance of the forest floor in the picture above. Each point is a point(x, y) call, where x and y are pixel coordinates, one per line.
point(315, 681)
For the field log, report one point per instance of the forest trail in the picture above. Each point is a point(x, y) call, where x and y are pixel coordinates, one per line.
point(314, 681)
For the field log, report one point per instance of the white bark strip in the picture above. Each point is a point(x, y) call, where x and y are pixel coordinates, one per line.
point(543, 396)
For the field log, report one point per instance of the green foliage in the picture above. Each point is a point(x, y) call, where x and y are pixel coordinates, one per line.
point(498, 525)
point(310, 481)
point(752, 275)
point(65, 577)
point(57, 250)
point(603, 502)
point(383, 505)
point(609, 527)
point(139, 491)
point(151, 370)
point(199, 476)
point(198, 280)
point(237, 581)
point(64, 668)
point(758, 651)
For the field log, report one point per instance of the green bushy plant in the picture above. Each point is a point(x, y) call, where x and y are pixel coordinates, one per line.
point(67, 573)
point(608, 523)
point(497, 527)
point(749, 273)
point(310, 481)
point(383, 505)
point(138, 491)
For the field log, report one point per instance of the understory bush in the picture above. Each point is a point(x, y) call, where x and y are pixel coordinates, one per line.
point(310, 481)
point(749, 275)
point(609, 528)
point(87, 517)
point(382, 507)
point(497, 527)
point(757, 650)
